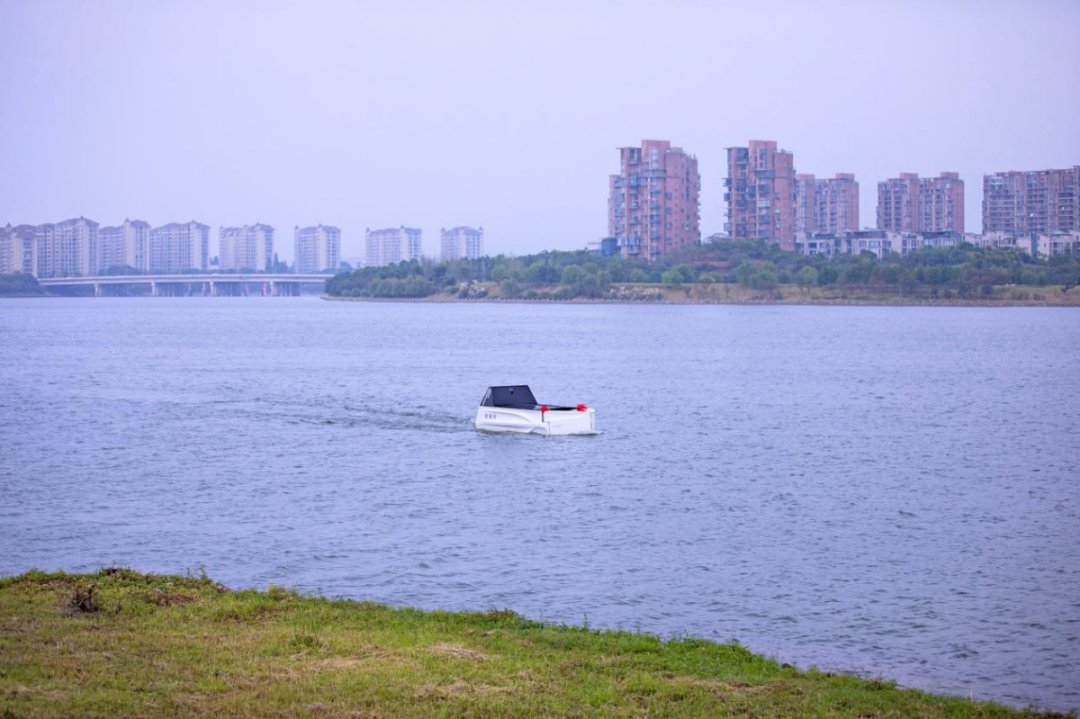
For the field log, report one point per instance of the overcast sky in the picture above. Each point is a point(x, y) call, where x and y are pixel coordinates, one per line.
point(505, 114)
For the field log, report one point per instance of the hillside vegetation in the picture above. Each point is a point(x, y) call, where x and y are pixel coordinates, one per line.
point(962, 273)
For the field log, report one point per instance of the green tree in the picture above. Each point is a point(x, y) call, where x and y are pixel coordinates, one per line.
point(510, 288)
point(746, 272)
point(766, 277)
point(571, 275)
point(685, 272)
point(672, 279)
point(808, 277)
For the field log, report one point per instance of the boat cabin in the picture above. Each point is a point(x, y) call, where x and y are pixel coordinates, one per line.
point(518, 396)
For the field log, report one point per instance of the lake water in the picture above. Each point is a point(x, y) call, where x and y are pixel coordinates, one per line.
point(890, 491)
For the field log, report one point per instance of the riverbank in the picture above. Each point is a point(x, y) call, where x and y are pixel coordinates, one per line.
point(120, 643)
point(735, 294)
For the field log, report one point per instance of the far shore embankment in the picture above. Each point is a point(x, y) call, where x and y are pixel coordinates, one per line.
point(720, 294)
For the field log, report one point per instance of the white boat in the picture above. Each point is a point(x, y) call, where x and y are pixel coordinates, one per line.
point(513, 408)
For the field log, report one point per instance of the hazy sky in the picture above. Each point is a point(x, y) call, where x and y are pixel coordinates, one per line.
point(505, 114)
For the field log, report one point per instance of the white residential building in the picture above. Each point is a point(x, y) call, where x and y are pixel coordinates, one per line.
point(1037, 244)
point(18, 251)
point(249, 248)
point(66, 249)
point(877, 242)
point(125, 246)
point(462, 243)
point(318, 249)
point(177, 247)
point(391, 245)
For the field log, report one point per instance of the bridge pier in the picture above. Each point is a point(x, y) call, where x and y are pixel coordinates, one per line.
point(153, 289)
point(97, 289)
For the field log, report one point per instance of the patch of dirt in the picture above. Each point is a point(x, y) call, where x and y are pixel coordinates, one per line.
point(168, 599)
point(457, 689)
point(84, 600)
point(456, 650)
point(335, 664)
point(733, 686)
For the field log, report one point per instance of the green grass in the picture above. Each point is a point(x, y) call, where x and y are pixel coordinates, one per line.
point(120, 643)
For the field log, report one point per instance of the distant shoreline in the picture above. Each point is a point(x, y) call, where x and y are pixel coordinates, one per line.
point(1068, 301)
point(1048, 296)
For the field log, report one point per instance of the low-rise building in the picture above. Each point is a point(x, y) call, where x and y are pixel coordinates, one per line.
point(1051, 244)
point(877, 242)
point(1043, 245)
point(829, 244)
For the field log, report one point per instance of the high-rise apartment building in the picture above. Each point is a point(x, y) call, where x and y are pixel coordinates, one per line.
point(125, 246)
point(318, 249)
point(941, 203)
point(66, 249)
point(898, 203)
point(805, 203)
point(18, 249)
point(1040, 201)
point(177, 247)
point(912, 204)
point(391, 245)
point(462, 243)
point(760, 192)
point(249, 248)
point(654, 201)
point(826, 205)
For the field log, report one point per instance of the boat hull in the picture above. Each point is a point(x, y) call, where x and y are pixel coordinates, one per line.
point(533, 421)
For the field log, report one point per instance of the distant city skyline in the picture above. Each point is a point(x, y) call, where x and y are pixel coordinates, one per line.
point(505, 115)
point(653, 209)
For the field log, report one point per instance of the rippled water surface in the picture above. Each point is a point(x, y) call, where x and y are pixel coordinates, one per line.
point(892, 491)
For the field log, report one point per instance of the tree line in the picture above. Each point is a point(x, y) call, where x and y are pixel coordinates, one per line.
point(18, 284)
point(963, 270)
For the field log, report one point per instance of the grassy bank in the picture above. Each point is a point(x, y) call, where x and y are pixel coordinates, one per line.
point(119, 643)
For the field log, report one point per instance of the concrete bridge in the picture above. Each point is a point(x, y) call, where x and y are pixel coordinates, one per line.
point(279, 284)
